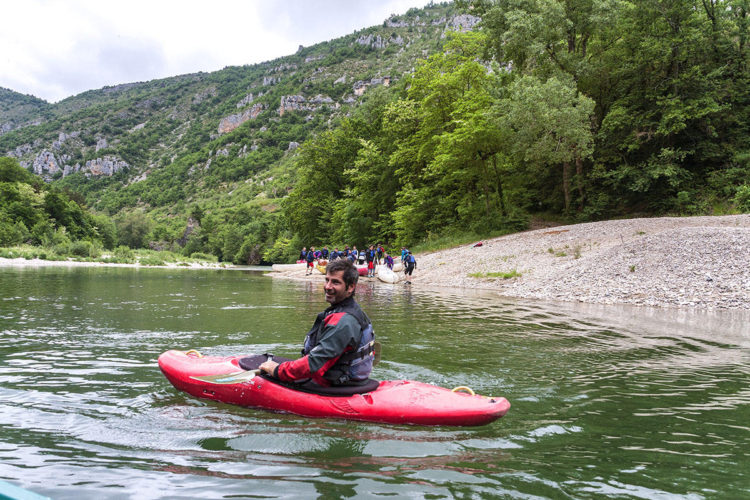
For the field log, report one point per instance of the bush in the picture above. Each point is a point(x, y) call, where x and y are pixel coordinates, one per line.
point(203, 256)
point(13, 234)
point(95, 250)
point(81, 248)
point(63, 248)
point(124, 255)
point(151, 260)
point(742, 198)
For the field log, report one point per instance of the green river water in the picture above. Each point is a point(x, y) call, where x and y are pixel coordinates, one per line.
point(607, 402)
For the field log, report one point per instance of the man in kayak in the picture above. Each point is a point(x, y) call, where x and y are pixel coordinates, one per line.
point(338, 348)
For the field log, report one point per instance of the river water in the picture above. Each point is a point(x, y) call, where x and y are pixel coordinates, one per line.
point(606, 401)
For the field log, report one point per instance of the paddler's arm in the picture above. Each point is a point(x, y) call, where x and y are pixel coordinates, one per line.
point(340, 331)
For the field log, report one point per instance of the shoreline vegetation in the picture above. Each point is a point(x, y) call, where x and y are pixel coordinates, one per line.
point(27, 255)
point(684, 262)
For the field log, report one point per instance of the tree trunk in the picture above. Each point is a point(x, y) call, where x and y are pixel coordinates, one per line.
point(499, 185)
point(486, 188)
point(579, 178)
point(566, 184)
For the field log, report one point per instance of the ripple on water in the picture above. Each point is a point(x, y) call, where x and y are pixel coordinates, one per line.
point(606, 401)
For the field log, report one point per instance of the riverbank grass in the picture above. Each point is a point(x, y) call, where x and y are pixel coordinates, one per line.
point(497, 274)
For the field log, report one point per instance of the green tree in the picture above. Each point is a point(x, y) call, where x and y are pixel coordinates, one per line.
point(11, 171)
point(133, 229)
point(548, 125)
point(320, 182)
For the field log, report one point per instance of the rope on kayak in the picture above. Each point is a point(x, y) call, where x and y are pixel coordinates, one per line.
point(463, 388)
point(194, 351)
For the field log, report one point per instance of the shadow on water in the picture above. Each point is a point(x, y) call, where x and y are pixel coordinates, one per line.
point(607, 400)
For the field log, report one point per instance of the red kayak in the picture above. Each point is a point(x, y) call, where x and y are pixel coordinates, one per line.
point(390, 401)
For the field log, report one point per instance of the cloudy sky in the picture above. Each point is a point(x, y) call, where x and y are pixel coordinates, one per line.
point(57, 48)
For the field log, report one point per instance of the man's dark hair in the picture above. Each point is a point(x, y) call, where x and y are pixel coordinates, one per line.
point(351, 275)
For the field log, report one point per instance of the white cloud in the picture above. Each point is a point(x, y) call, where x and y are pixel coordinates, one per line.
point(54, 49)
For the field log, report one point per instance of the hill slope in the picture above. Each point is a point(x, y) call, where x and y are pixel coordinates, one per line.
point(183, 139)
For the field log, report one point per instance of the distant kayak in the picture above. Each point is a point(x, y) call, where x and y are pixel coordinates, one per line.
point(390, 401)
point(387, 276)
point(362, 270)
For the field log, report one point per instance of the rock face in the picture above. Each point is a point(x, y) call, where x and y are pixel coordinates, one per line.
point(204, 94)
point(108, 166)
point(23, 149)
point(394, 22)
point(299, 103)
point(378, 42)
point(231, 122)
point(46, 165)
point(360, 86)
point(191, 226)
point(463, 22)
point(248, 99)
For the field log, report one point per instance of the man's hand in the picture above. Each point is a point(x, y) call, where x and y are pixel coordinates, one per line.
point(268, 366)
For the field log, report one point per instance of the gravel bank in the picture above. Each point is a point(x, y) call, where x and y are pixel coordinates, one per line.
point(699, 262)
point(694, 262)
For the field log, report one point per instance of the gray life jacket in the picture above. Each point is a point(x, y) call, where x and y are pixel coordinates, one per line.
point(353, 366)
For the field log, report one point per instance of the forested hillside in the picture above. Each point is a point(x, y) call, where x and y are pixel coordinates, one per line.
point(34, 212)
point(460, 118)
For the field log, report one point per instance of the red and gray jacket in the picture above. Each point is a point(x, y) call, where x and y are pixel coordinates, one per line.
point(338, 348)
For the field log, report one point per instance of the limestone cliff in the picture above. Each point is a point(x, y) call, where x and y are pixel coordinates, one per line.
point(231, 122)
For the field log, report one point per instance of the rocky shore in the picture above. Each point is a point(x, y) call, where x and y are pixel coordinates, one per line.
point(694, 262)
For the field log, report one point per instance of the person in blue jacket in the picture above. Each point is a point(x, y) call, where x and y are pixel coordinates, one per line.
point(338, 349)
point(370, 258)
point(410, 264)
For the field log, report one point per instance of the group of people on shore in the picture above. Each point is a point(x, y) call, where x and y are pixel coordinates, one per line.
point(373, 256)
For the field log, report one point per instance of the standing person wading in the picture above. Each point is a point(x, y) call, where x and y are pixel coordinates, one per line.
point(410, 263)
point(338, 348)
